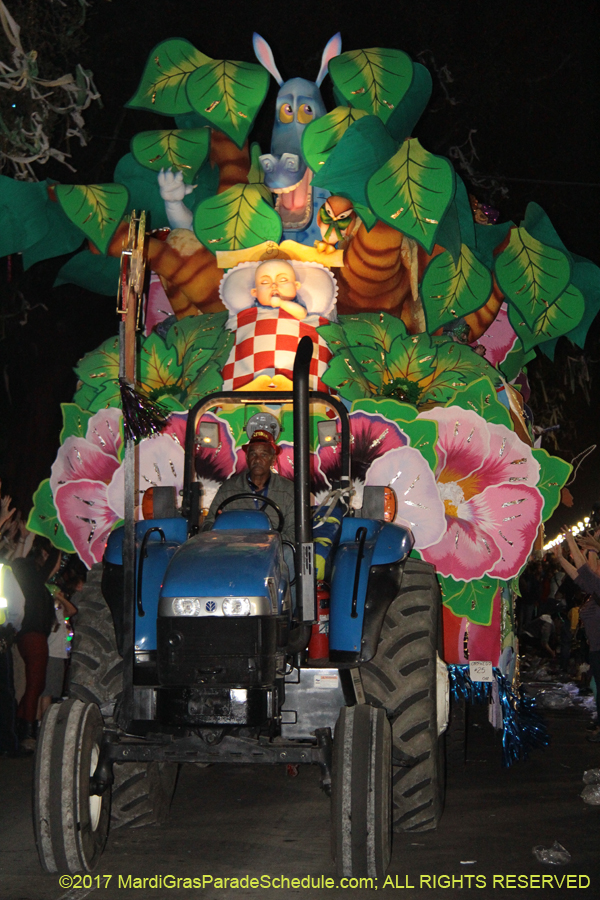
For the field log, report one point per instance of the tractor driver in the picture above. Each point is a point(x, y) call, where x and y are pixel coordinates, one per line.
point(259, 479)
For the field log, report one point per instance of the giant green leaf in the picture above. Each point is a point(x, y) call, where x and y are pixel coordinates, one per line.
point(162, 88)
point(75, 421)
point(322, 135)
point(586, 277)
point(43, 519)
point(158, 367)
point(531, 275)
point(228, 95)
point(554, 473)
point(409, 110)
point(374, 80)
point(95, 208)
point(538, 225)
point(376, 330)
point(472, 599)
point(345, 375)
point(555, 320)
point(361, 151)
point(515, 361)
point(457, 227)
point(91, 271)
point(456, 366)
point(100, 367)
point(412, 191)
point(488, 238)
point(23, 214)
point(185, 150)
point(240, 217)
point(62, 236)
point(480, 396)
point(450, 290)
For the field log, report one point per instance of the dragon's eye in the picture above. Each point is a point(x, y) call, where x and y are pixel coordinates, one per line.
point(286, 114)
point(305, 114)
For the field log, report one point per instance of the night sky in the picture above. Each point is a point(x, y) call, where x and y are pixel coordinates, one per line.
point(524, 75)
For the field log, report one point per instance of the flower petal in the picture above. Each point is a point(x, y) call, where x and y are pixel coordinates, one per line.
point(465, 551)
point(498, 339)
point(371, 435)
point(104, 431)
point(78, 458)
point(512, 515)
point(86, 516)
point(463, 442)
point(510, 460)
point(419, 505)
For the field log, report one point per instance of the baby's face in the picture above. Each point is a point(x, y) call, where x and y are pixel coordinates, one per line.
point(275, 278)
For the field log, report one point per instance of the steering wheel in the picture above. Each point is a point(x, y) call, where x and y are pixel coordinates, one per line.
point(250, 496)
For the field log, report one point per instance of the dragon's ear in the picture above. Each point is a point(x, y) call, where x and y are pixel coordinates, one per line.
point(264, 55)
point(333, 48)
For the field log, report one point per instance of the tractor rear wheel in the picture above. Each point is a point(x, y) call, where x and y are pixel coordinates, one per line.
point(142, 791)
point(71, 824)
point(361, 792)
point(403, 679)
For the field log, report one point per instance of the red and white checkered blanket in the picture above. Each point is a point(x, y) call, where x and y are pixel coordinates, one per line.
point(266, 344)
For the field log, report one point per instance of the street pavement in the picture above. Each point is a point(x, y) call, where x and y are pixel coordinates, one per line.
point(253, 821)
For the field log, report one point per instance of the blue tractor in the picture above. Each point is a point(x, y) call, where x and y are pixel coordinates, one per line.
point(191, 647)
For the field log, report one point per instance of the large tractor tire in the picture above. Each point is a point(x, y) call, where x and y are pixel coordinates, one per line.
point(402, 678)
point(71, 825)
point(457, 734)
point(142, 791)
point(361, 825)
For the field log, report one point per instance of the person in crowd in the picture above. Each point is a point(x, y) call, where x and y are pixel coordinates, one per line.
point(584, 574)
point(32, 573)
point(12, 610)
point(58, 653)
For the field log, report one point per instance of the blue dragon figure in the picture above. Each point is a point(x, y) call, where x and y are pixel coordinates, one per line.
point(299, 102)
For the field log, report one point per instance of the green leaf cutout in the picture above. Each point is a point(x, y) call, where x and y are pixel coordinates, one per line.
point(412, 192)
point(162, 88)
point(374, 80)
point(43, 519)
point(515, 361)
point(256, 173)
point(362, 150)
point(554, 474)
point(158, 366)
point(95, 208)
point(555, 320)
point(184, 150)
point(75, 421)
point(472, 599)
point(373, 355)
point(238, 218)
point(91, 271)
point(450, 290)
point(228, 95)
point(320, 137)
point(409, 110)
point(480, 396)
point(531, 275)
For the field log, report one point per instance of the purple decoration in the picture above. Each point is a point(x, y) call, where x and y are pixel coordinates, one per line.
point(141, 417)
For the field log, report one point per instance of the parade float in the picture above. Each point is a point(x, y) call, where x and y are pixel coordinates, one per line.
point(423, 308)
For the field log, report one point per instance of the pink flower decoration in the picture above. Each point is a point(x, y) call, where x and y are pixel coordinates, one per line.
point(284, 464)
point(420, 509)
point(486, 478)
point(499, 339)
point(82, 471)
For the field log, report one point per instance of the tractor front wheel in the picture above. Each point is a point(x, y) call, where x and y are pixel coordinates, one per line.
point(71, 823)
point(361, 792)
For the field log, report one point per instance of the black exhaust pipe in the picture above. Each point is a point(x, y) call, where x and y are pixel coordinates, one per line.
point(306, 596)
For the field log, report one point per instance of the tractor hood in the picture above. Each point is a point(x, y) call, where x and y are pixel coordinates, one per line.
point(225, 564)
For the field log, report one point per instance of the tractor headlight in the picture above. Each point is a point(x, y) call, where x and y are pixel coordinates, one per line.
point(187, 606)
point(236, 606)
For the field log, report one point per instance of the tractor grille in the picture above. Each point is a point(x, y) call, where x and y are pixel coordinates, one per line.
point(233, 651)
